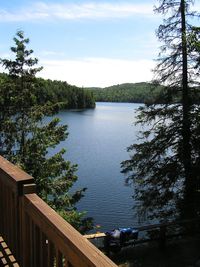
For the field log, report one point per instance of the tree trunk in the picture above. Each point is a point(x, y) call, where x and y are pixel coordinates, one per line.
point(186, 127)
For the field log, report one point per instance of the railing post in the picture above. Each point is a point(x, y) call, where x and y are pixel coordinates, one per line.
point(25, 226)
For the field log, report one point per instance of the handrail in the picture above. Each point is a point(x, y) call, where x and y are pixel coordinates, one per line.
point(36, 234)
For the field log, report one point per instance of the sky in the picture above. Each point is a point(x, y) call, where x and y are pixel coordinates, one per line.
point(85, 42)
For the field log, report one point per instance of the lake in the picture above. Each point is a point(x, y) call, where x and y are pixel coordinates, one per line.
point(97, 142)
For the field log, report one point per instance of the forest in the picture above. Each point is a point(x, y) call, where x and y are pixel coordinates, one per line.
point(144, 92)
point(66, 96)
point(128, 92)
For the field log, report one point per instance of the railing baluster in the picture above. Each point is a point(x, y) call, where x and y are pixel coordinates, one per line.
point(59, 259)
point(26, 240)
point(68, 264)
point(13, 220)
point(37, 245)
point(32, 243)
point(6, 229)
point(43, 250)
point(51, 254)
point(1, 205)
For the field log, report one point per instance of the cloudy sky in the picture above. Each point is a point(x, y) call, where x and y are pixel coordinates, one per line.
point(85, 42)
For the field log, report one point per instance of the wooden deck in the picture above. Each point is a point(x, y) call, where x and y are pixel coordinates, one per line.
point(33, 234)
point(7, 259)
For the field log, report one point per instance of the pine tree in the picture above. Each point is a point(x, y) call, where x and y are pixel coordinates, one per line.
point(163, 166)
point(27, 136)
point(195, 45)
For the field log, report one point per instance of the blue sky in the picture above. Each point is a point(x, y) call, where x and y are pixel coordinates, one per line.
point(85, 42)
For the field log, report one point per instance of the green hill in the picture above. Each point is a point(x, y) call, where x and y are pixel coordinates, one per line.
point(127, 92)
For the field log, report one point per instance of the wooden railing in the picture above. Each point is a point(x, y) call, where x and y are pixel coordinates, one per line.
point(35, 233)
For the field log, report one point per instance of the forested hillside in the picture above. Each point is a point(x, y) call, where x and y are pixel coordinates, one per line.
point(127, 92)
point(58, 92)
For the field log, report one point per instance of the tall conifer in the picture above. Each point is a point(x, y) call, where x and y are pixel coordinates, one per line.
point(163, 166)
point(27, 136)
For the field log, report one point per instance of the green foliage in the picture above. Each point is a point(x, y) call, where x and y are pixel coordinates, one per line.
point(67, 96)
point(128, 92)
point(147, 93)
point(64, 95)
point(26, 136)
point(194, 40)
point(164, 165)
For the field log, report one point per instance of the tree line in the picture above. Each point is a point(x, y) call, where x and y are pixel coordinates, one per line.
point(143, 92)
point(66, 96)
point(127, 92)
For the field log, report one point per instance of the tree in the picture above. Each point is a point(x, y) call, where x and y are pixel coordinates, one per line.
point(195, 44)
point(27, 136)
point(163, 166)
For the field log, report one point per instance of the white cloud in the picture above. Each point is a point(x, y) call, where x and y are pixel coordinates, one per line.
point(98, 71)
point(47, 53)
point(21, 15)
point(70, 11)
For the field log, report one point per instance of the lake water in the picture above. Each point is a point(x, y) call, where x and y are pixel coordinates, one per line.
point(97, 142)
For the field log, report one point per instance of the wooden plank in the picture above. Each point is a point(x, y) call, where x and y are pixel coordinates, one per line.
point(37, 245)
point(68, 264)
point(25, 240)
point(43, 250)
point(51, 254)
point(92, 236)
point(29, 189)
point(31, 244)
point(59, 259)
point(6, 256)
point(1, 205)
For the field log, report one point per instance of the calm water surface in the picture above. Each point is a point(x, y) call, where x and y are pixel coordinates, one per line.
point(97, 143)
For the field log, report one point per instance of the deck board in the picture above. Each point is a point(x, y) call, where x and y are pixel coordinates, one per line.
point(6, 257)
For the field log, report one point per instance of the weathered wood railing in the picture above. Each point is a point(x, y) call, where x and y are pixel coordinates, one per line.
point(34, 232)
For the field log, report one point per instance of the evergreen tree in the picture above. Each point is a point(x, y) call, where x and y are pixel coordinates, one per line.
point(163, 166)
point(27, 136)
point(195, 44)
